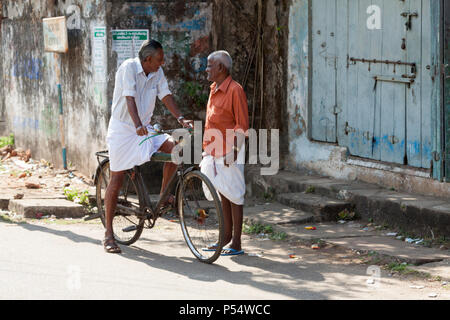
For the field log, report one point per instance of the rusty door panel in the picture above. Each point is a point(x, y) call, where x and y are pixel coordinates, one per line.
point(323, 70)
point(418, 120)
point(446, 75)
point(383, 110)
point(390, 136)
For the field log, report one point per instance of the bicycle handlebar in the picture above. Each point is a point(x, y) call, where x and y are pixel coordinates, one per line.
point(159, 131)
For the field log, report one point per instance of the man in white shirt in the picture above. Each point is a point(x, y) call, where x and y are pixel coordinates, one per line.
point(138, 82)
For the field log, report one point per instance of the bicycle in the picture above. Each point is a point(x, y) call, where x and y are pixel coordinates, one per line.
point(201, 220)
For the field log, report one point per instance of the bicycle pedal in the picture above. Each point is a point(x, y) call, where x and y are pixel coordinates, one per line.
point(129, 229)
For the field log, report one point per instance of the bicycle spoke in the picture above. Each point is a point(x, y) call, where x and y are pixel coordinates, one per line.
point(200, 217)
point(127, 226)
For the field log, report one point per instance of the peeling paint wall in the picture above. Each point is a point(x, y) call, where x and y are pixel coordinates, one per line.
point(184, 30)
point(29, 73)
point(3, 126)
point(329, 159)
point(235, 29)
point(29, 77)
point(188, 30)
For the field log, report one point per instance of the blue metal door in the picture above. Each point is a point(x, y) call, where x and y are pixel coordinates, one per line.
point(373, 78)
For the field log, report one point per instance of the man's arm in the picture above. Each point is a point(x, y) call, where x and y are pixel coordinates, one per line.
point(169, 102)
point(132, 110)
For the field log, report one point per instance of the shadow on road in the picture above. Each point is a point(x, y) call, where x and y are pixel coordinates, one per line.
point(289, 280)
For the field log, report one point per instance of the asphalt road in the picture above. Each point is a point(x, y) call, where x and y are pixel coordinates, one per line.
point(55, 261)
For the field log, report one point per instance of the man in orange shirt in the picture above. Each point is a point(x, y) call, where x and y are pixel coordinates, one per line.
point(223, 143)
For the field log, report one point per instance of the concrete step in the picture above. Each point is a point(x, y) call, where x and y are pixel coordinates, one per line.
point(60, 208)
point(5, 198)
point(441, 269)
point(292, 182)
point(418, 215)
point(355, 235)
point(391, 247)
point(321, 207)
point(276, 214)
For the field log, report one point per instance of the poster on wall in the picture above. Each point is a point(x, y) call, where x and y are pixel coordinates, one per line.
point(126, 43)
point(99, 54)
point(55, 34)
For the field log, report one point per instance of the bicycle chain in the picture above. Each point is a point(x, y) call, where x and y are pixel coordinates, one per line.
point(150, 217)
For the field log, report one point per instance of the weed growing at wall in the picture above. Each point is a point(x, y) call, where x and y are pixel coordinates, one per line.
point(81, 197)
point(194, 92)
point(7, 141)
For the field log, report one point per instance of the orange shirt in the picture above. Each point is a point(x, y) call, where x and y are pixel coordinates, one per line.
point(227, 109)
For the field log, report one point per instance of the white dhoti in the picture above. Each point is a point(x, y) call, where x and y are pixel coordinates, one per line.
point(125, 148)
point(229, 181)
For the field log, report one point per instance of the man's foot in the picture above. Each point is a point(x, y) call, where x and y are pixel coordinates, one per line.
point(110, 245)
point(231, 252)
point(170, 201)
point(211, 247)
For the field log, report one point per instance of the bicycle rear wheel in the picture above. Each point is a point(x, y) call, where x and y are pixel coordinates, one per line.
point(201, 218)
point(127, 226)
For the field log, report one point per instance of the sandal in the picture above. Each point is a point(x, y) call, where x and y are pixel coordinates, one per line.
point(231, 252)
point(110, 245)
point(170, 201)
point(211, 247)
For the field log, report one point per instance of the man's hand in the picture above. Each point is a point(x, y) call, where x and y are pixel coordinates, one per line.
point(141, 131)
point(187, 123)
point(231, 157)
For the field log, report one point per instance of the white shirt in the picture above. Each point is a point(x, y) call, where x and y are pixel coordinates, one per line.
point(126, 148)
point(131, 81)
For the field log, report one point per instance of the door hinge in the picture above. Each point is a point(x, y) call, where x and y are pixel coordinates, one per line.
point(409, 16)
point(436, 156)
point(444, 71)
point(336, 110)
point(348, 129)
point(393, 139)
point(368, 136)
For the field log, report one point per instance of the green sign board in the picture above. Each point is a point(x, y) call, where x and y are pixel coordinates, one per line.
point(126, 43)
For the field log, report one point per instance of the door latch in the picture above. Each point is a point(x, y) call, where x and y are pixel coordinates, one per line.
point(436, 156)
point(348, 129)
point(336, 110)
point(393, 139)
point(444, 71)
point(409, 16)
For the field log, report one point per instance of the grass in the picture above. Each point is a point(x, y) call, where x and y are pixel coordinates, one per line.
point(347, 215)
point(8, 219)
point(403, 269)
point(310, 189)
point(7, 141)
point(81, 197)
point(4, 217)
point(269, 194)
point(257, 228)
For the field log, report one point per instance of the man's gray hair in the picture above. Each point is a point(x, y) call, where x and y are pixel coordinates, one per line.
point(149, 48)
point(223, 57)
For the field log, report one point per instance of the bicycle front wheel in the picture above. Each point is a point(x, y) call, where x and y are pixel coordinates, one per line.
point(201, 217)
point(127, 226)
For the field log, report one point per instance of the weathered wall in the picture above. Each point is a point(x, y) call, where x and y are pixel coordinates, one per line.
point(256, 33)
point(30, 81)
point(184, 30)
point(3, 127)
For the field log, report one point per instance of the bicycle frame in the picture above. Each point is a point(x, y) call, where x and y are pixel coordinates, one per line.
point(155, 212)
